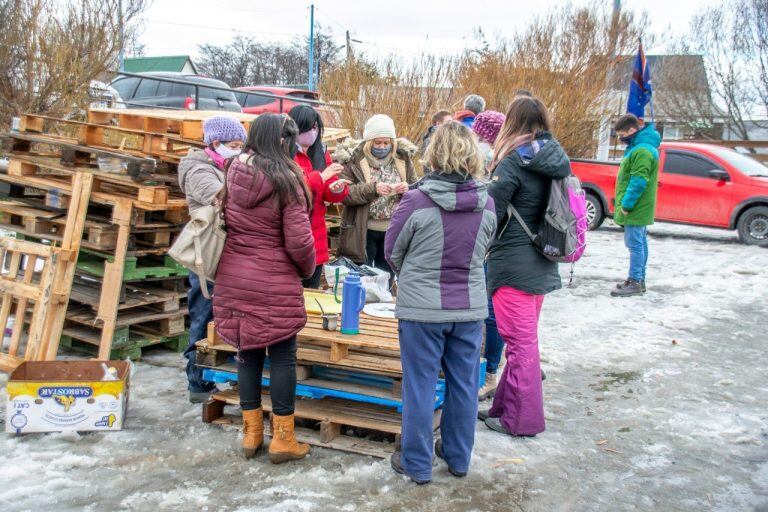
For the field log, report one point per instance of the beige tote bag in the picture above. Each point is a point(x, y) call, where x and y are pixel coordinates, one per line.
point(199, 245)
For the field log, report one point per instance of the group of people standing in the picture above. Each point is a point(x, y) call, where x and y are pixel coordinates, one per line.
point(439, 234)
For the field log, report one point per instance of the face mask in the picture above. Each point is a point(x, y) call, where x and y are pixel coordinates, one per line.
point(381, 152)
point(226, 151)
point(628, 139)
point(306, 139)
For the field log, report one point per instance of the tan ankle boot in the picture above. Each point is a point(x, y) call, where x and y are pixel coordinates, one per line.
point(253, 431)
point(489, 387)
point(284, 446)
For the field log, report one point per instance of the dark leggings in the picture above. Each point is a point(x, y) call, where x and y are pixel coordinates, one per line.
point(374, 251)
point(314, 281)
point(282, 376)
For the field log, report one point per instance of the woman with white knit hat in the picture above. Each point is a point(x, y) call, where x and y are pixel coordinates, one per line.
point(379, 169)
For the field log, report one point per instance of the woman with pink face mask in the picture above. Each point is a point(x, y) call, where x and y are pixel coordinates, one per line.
point(322, 178)
point(201, 176)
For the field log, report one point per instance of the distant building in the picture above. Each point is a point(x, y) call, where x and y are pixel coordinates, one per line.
point(174, 63)
point(683, 107)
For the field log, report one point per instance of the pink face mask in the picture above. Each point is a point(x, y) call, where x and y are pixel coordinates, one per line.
point(306, 139)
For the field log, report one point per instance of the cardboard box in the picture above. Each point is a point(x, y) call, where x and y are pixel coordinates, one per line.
point(61, 396)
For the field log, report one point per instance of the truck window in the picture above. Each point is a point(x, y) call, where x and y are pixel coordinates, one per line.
point(689, 164)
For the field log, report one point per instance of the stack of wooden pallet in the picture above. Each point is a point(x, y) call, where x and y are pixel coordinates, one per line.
point(126, 293)
point(349, 391)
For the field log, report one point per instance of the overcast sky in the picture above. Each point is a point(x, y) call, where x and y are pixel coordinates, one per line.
point(404, 27)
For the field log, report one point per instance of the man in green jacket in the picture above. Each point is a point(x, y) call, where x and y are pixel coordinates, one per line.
point(635, 203)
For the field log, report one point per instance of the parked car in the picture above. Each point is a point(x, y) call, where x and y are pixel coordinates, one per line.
point(255, 104)
point(699, 184)
point(150, 91)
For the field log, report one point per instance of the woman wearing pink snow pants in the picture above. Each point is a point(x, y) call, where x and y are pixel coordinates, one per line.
point(526, 160)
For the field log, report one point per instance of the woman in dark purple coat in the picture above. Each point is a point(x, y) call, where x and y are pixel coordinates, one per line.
point(258, 305)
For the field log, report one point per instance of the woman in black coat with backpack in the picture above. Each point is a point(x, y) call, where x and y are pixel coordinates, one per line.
point(526, 160)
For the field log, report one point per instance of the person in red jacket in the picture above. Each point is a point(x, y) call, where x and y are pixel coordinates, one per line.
point(258, 303)
point(322, 178)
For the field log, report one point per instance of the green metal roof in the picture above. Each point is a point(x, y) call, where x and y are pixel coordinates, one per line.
point(144, 64)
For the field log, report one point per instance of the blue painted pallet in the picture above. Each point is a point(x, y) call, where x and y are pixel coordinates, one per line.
point(334, 375)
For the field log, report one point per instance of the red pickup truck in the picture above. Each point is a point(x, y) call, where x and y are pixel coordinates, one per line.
point(699, 184)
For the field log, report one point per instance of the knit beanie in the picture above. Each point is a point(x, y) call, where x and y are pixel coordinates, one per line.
point(379, 126)
point(223, 129)
point(488, 125)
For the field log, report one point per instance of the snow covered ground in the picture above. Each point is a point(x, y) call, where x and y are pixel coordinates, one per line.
point(652, 403)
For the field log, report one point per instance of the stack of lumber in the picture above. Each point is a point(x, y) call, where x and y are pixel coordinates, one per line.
point(349, 390)
point(126, 293)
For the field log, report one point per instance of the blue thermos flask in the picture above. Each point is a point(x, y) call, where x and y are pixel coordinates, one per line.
point(352, 303)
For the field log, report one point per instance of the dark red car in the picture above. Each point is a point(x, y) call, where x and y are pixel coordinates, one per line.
point(254, 104)
point(699, 184)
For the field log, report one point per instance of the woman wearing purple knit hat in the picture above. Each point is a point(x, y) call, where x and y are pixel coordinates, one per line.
point(201, 176)
point(487, 127)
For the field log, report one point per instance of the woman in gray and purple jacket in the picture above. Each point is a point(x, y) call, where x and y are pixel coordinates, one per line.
point(436, 242)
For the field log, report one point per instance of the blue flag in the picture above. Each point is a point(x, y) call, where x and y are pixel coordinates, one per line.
point(639, 86)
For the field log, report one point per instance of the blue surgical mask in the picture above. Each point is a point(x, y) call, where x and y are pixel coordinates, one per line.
point(381, 152)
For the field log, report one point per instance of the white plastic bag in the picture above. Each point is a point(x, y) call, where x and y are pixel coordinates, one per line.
point(376, 286)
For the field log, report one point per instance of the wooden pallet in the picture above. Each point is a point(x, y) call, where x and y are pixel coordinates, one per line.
point(376, 348)
point(134, 268)
point(188, 124)
point(86, 290)
point(80, 340)
point(28, 165)
point(35, 222)
point(326, 423)
point(48, 291)
point(80, 139)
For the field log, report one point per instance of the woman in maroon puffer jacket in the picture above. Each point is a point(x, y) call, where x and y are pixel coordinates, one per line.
point(258, 303)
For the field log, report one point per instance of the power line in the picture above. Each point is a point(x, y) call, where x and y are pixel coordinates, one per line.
point(228, 29)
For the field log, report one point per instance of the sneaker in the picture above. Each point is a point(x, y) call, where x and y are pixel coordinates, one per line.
point(439, 453)
point(631, 288)
point(489, 388)
point(199, 397)
point(625, 283)
point(495, 424)
point(397, 466)
point(483, 414)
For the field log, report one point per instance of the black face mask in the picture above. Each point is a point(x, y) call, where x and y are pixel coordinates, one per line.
point(628, 139)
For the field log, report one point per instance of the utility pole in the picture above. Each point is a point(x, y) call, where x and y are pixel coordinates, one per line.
point(311, 47)
point(349, 48)
point(604, 137)
point(120, 21)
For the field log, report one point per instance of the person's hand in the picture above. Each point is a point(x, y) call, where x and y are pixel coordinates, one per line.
point(625, 212)
point(331, 171)
point(338, 186)
point(383, 189)
point(401, 188)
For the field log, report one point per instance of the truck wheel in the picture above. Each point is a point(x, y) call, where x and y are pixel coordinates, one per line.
point(753, 226)
point(595, 214)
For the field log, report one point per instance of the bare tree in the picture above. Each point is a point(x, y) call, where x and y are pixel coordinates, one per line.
point(50, 51)
point(409, 92)
point(733, 38)
point(564, 58)
point(247, 61)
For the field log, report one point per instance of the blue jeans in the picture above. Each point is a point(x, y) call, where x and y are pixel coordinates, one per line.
point(636, 240)
point(200, 313)
point(494, 345)
point(425, 349)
